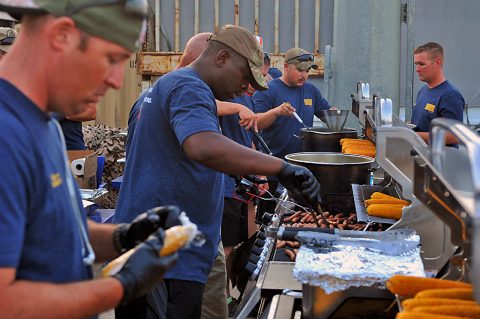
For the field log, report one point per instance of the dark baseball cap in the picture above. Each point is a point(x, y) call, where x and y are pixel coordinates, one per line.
point(119, 21)
point(244, 43)
point(302, 59)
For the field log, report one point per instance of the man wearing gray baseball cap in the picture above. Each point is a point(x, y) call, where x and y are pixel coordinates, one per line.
point(68, 54)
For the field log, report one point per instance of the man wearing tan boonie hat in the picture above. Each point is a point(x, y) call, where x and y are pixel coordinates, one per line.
point(178, 156)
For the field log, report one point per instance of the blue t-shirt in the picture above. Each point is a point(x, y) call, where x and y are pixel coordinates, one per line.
point(234, 131)
point(274, 72)
point(72, 131)
point(159, 172)
point(444, 100)
point(306, 99)
point(132, 120)
point(39, 234)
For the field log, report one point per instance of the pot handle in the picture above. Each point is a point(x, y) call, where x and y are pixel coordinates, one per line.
point(298, 137)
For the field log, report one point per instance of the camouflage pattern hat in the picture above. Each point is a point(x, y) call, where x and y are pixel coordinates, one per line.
point(119, 21)
point(303, 60)
point(244, 43)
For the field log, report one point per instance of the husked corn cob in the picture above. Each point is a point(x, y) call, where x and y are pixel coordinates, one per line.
point(354, 140)
point(175, 238)
point(378, 195)
point(451, 310)
point(418, 315)
point(396, 201)
point(412, 303)
point(409, 286)
point(358, 151)
point(385, 210)
point(454, 293)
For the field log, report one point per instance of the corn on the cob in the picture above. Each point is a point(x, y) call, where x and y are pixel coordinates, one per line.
point(409, 286)
point(396, 201)
point(385, 210)
point(354, 140)
point(378, 195)
point(451, 310)
point(412, 303)
point(360, 152)
point(175, 238)
point(455, 293)
point(418, 315)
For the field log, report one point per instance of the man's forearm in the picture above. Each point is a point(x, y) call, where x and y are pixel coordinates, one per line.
point(219, 153)
point(227, 108)
point(27, 299)
point(264, 120)
point(101, 238)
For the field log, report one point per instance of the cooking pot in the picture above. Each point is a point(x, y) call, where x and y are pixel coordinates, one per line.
point(336, 172)
point(320, 139)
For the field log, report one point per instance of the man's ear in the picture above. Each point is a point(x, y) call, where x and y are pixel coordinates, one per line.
point(222, 57)
point(62, 33)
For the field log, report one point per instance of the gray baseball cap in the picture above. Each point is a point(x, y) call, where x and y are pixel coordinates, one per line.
point(7, 36)
point(119, 21)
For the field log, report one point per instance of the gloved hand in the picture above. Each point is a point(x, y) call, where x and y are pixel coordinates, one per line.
point(145, 268)
point(301, 183)
point(127, 236)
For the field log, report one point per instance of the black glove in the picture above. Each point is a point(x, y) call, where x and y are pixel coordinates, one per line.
point(127, 236)
point(301, 183)
point(145, 268)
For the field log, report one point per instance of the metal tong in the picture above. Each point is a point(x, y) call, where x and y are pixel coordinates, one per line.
point(390, 242)
point(262, 142)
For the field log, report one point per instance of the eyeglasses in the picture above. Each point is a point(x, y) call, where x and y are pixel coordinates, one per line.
point(7, 41)
point(302, 58)
point(137, 7)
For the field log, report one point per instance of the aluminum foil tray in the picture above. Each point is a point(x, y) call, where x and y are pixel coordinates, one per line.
point(360, 194)
point(347, 266)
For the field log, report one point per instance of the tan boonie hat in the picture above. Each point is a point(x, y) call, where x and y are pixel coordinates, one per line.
point(303, 60)
point(245, 44)
point(119, 21)
point(7, 36)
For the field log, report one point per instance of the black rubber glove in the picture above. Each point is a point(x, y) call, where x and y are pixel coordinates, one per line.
point(145, 268)
point(127, 236)
point(301, 183)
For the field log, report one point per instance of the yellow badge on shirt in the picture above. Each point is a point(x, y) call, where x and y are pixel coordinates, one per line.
point(430, 107)
point(308, 102)
point(55, 180)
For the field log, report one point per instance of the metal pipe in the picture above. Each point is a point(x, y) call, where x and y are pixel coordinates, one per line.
point(316, 48)
point(157, 26)
point(236, 16)
point(410, 71)
point(177, 26)
point(276, 24)
point(256, 26)
point(297, 23)
point(197, 16)
point(216, 19)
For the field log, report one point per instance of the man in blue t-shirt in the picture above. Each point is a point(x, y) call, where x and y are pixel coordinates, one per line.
point(72, 126)
point(48, 246)
point(439, 97)
point(288, 94)
point(178, 152)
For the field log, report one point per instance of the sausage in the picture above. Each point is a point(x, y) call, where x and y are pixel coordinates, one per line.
point(290, 254)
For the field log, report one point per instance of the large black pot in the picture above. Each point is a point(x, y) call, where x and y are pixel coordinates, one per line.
point(320, 139)
point(335, 172)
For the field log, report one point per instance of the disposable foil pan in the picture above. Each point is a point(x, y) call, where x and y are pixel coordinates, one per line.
point(343, 267)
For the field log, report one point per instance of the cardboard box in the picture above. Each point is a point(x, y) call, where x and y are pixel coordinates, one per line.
point(89, 178)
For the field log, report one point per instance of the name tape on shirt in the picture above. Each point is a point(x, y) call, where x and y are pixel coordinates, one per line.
point(308, 102)
point(430, 107)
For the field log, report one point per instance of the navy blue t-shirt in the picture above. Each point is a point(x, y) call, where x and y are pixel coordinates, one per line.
point(306, 99)
point(39, 235)
point(444, 100)
point(72, 131)
point(159, 172)
point(234, 131)
point(132, 120)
